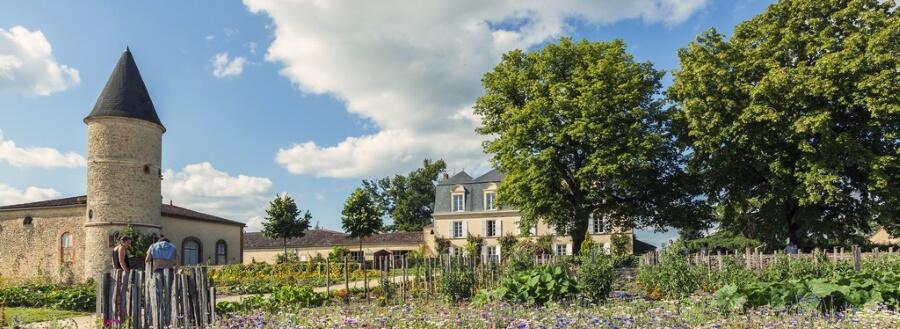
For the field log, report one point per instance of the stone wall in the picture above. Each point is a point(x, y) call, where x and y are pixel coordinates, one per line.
point(270, 255)
point(34, 251)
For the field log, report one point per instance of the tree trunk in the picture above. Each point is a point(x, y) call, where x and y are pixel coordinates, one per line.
point(793, 228)
point(579, 230)
point(362, 256)
point(284, 244)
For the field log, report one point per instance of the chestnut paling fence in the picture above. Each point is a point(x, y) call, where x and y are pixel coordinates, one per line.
point(757, 261)
point(156, 299)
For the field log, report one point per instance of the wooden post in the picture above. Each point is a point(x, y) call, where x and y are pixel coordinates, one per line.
point(857, 258)
point(346, 279)
point(327, 280)
point(366, 274)
point(403, 286)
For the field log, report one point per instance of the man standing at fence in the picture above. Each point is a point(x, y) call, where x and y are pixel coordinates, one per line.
point(163, 255)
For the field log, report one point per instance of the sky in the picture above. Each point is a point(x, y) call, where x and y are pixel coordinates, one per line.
point(263, 97)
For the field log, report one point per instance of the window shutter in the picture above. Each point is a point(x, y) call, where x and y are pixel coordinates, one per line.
point(465, 231)
point(569, 249)
point(606, 248)
point(591, 224)
point(499, 228)
point(450, 232)
point(498, 252)
point(484, 227)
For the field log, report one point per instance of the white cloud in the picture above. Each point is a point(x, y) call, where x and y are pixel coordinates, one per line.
point(210, 37)
point(412, 69)
point(10, 195)
point(43, 157)
point(224, 67)
point(255, 224)
point(27, 65)
point(319, 196)
point(204, 188)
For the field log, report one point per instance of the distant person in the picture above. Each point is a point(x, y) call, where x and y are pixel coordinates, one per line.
point(120, 254)
point(163, 255)
point(791, 249)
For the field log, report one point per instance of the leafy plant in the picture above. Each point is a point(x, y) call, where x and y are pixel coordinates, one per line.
point(672, 278)
point(292, 296)
point(456, 285)
point(595, 274)
point(473, 244)
point(537, 285)
point(441, 245)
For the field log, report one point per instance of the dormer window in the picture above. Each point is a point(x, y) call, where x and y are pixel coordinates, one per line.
point(459, 203)
point(489, 201)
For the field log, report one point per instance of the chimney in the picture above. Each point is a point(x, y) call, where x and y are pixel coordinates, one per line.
point(170, 202)
point(445, 177)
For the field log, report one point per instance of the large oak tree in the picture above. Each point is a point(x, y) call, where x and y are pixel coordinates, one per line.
point(792, 123)
point(578, 128)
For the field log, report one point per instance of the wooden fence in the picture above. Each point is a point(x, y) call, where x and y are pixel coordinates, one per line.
point(757, 261)
point(156, 299)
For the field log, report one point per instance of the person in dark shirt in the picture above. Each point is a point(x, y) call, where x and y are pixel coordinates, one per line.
point(120, 254)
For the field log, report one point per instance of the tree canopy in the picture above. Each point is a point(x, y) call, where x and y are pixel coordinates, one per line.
point(284, 220)
point(408, 200)
point(361, 216)
point(578, 129)
point(792, 123)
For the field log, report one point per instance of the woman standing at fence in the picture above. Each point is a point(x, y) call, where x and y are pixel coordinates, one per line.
point(120, 254)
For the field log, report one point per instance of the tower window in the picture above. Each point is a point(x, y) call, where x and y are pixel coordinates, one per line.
point(146, 169)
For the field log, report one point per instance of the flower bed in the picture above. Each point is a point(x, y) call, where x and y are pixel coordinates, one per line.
point(259, 278)
point(695, 312)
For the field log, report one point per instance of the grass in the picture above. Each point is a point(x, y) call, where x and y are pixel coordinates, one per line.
point(23, 315)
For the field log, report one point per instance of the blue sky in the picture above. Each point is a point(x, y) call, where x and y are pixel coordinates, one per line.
point(305, 97)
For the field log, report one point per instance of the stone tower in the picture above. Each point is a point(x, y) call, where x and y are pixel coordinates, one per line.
point(124, 158)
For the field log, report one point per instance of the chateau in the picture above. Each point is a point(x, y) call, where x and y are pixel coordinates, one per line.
point(72, 238)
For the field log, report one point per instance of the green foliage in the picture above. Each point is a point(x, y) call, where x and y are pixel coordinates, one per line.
point(595, 274)
point(140, 242)
point(457, 284)
point(537, 285)
point(361, 216)
point(671, 279)
point(520, 257)
point(442, 245)
point(793, 121)
point(64, 297)
point(507, 241)
point(283, 298)
point(409, 200)
point(337, 253)
point(474, 244)
point(621, 245)
point(290, 258)
point(260, 278)
point(723, 241)
point(587, 247)
point(544, 245)
point(825, 294)
point(591, 120)
point(284, 220)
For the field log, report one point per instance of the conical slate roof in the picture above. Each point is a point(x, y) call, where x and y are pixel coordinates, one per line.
point(125, 94)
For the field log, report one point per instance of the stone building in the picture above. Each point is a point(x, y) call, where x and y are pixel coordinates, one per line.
point(72, 238)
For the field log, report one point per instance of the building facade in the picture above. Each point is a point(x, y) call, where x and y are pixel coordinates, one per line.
point(466, 206)
point(320, 243)
point(72, 238)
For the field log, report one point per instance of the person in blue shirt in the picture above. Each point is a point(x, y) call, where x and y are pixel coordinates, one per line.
point(163, 255)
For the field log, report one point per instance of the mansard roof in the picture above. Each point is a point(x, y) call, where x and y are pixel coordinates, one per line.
point(125, 94)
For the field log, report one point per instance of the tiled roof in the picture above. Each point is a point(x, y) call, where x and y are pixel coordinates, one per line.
point(492, 176)
point(328, 238)
point(125, 94)
point(460, 178)
point(165, 209)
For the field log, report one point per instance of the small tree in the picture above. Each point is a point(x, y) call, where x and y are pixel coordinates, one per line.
point(474, 244)
point(284, 220)
point(361, 216)
point(441, 245)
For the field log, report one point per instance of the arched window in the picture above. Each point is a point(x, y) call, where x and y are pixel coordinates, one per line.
point(221, 252)
point(66, 248)
point(190, 251)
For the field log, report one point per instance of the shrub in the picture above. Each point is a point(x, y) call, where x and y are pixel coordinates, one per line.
point(456, 284)
point(473, 245)
point(544, 245)
point(520, 257)
point(287, 258)
point(442, 245)
point(672, 278)
point(287, 296)
point(337, 254)
point(537, 285)
point(620, 245)
point(587, 246)
point(507, 242)
point(722, 240)
point(595, 275)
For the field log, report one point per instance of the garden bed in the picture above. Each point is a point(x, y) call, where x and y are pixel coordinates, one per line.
point(694, 312)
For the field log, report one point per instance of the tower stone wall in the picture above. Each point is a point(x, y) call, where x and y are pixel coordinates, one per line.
point(123, 183)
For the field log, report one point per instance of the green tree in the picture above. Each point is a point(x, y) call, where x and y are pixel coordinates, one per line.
point(408, 200)
point(793, 123)
point(361, 216)
point(284, 220)
point(578, 128)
